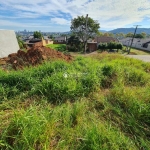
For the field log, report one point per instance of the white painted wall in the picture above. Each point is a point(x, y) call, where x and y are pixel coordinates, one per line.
point(8, 43)
point(137, 43)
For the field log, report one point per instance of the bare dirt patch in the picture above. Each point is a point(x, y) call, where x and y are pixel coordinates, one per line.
point(33, 56)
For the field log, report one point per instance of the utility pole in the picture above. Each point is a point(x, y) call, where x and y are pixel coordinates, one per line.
point(133, 38)
point(86, 33)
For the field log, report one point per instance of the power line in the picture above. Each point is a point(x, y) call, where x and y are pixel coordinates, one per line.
point(133, 37)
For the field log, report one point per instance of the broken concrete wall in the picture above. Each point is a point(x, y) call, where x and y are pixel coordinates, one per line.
point(8, 43)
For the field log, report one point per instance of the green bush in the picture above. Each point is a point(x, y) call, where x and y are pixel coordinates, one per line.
point(110, 46)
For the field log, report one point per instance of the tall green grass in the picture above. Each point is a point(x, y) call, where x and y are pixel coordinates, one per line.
point(59, 47)
point(91, 103)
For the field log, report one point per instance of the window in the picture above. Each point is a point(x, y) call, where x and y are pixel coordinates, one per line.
point(145, 45)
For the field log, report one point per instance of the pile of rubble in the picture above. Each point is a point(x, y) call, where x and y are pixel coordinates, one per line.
point(33, 56)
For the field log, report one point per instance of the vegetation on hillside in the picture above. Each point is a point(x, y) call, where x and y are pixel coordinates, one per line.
point(20, 42)
point(101, 102)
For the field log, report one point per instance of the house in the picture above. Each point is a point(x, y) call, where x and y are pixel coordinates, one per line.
point(93, 44)
point(143, 44)
point(105, 39)
point(31, 37)
point(39, 42)
point(8, 43)
point(45, 37)
point(46, 40)
point(35, 42)
point(61, 39)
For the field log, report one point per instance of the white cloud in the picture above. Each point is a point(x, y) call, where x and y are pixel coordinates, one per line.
point(60, 21)
point(15, 24)
point(109, 13)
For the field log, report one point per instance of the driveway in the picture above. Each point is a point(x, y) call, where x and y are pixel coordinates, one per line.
point(145, 58)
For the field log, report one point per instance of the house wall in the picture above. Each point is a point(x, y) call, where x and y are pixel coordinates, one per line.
point(143, 48)
point(8, 43)
point(137, 43)
point(42, 43)
point(92, 46)
point(49, 42)
point(46, 42)
point(60, 39)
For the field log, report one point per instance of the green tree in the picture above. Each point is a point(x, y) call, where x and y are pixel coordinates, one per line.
point(144, 34)
point(110, 45)
point(100, 34)
point(37, 34)
point(117, 35)
point(119, 46)
point(84, 27)
point(102, 46)
point(129, 34)
point(51, 36)
point(106, 34)
point(74, 44)
point(139, 36)
point(110, 34)
point(121, 35)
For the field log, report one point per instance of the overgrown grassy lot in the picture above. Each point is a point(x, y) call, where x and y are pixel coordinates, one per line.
point(59, 47)
point(100, 102)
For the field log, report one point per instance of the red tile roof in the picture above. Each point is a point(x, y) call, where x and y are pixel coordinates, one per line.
point(105, 39)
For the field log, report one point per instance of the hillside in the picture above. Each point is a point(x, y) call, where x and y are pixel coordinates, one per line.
point(127, 30)
point(98, 102)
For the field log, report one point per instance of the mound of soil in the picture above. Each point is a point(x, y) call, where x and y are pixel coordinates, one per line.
point(33, 56)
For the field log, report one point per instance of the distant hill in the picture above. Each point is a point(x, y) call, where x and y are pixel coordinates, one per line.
point(103, 31)
point(119, 30)
point(127, 30)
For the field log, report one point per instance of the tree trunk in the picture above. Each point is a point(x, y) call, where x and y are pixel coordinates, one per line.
point(85, 47)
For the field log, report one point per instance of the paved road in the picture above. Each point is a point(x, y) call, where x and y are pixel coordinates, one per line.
point(145, 58)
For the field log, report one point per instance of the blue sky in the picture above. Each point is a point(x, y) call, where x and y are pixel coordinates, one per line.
point(56, 15)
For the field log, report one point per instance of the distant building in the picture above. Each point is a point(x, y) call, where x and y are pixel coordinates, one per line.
point(38, 42)
point(45, 37)
point(93, 44)
point(31, 37)
point(61, 39)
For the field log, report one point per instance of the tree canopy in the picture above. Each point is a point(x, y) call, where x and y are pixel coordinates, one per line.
point(144, 34)
point(129, 34)
point(37, 34)
point(74, 44)
point(139, 36)
point(84, 28)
